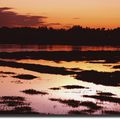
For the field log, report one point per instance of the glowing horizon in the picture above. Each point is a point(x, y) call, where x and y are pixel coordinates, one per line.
point(65, 13)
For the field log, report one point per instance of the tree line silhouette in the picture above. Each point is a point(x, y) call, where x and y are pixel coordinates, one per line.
point(75, 35)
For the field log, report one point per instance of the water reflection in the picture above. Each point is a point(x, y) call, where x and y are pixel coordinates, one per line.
point(16, 48)
point(59, 88)
point(79, 65)
point(45, 81)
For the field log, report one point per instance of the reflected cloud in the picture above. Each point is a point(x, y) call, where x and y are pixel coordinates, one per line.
point(76, 18)
point(53, 24)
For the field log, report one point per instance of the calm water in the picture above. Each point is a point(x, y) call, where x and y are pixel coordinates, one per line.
point(16, 48)
point(62, 100)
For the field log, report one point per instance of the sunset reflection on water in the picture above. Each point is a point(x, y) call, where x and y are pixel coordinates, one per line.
point(55, 102)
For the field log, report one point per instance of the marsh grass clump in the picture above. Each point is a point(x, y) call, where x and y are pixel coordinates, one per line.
point(116, 67)
point(25, 76)
point(15, 105)
point(23, 109)
point(13, 101)
point(112, 113)
point(73, 87)
point(55, 88)
point(77, 113)
point(34, 92)
point(14, 98)
point(1, 72)
point(76, 103)
point(36, 68)
point(71, 103)
point(101, 78)
point(90, 105)
point(104, 98)
point(105, 94)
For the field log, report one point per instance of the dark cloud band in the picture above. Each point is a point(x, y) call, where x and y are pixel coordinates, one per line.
point(12, 19)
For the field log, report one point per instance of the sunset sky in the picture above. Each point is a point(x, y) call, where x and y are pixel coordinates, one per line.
point(60, 13)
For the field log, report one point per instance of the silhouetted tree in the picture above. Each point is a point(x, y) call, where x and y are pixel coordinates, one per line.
point(75, 35)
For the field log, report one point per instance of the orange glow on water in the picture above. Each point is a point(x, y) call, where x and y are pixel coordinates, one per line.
point(84, 65)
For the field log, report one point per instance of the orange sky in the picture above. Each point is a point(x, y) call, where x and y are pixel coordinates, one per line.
point(90, 13)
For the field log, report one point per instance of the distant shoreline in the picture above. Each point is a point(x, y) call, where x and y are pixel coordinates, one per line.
point(42, 44)
point(49, 36)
